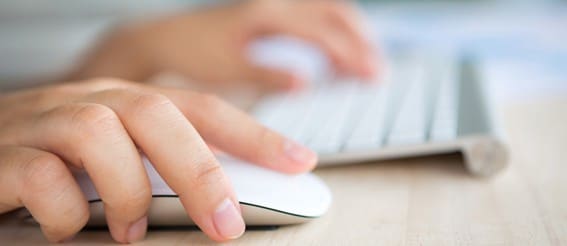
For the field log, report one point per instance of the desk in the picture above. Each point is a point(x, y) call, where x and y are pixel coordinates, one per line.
point(421, 201)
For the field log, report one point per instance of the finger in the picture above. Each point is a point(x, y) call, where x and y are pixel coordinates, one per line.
point(320, 33)
point(274, 78)
point(41, 182)
point(91, 136)
point(180, 156)
point(238, 134)
point(214, 149)
point(234, 131)
point(346, 19)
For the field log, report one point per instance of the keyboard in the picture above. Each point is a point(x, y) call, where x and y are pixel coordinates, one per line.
point(426, 103)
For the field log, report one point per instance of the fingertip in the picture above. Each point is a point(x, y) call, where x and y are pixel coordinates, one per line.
point(57, 237)
point(68, 239)
point(369, 67)
point(228, 221)
point(290, 82)
point(370, 71)
point(138, 229)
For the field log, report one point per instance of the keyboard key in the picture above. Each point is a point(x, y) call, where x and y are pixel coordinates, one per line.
point(368, 130)
point(416, 101)
point(409, 125)
point(339, 102)
point(444, 119)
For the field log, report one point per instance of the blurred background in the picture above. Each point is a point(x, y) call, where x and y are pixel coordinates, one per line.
point(522, 45)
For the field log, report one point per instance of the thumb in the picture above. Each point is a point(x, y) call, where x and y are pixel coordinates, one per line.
point(275, 79)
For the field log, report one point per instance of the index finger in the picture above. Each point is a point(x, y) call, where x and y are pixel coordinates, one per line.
point(236, 133)
point(181, 157)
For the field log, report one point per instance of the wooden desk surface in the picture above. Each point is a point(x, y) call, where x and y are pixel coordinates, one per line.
point(422, 201)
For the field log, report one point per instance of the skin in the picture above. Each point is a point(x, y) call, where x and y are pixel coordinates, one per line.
point(210, 45)
point(71, 126)
point(100, 126)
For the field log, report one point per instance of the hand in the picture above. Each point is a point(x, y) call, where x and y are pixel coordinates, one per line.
point(100, 126)
point(210, 45)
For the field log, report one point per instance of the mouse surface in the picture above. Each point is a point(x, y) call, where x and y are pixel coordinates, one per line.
point(266, 197)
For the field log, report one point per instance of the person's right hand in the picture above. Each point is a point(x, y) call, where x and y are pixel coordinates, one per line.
point(100, 126)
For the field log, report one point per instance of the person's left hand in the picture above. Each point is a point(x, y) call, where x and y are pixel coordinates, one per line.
point(210, 45)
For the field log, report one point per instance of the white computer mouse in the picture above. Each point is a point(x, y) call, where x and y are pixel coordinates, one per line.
point(266, 197)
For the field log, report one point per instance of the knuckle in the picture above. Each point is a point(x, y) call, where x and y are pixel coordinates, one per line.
point(207, 174)
point(41, 170)
point(145, 102)
point(94, 119)
point(103, 83)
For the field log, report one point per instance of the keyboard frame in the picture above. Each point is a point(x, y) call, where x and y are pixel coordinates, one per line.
point(479, 138)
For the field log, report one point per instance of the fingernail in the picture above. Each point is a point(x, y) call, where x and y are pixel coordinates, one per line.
point(298, 153)
point(137, 230)
point(228, 221)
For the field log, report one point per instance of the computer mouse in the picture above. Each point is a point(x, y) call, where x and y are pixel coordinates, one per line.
point(266, 197)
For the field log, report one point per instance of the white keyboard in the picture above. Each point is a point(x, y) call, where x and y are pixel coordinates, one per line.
point(425, 104)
